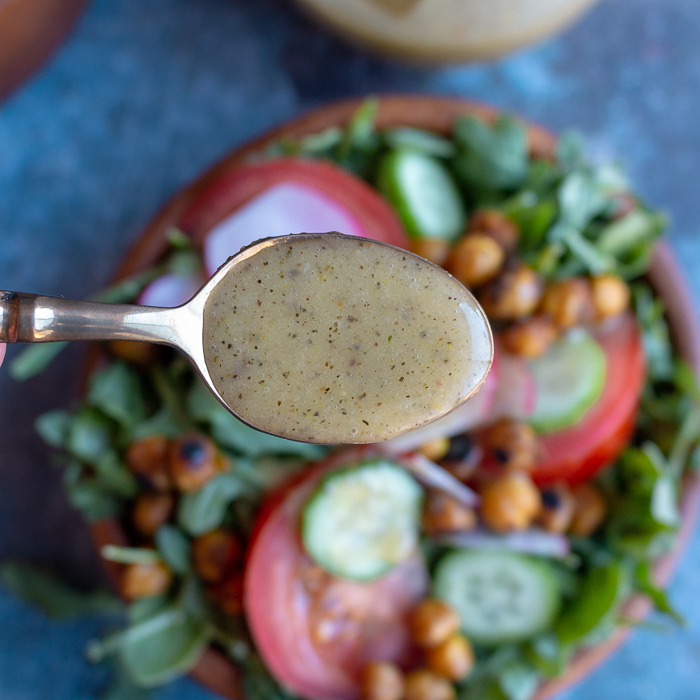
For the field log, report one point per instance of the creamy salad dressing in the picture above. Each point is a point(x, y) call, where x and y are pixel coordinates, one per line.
point(334, 339)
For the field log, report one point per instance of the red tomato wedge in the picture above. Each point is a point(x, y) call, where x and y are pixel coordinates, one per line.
point(282, 196)
point(316, 632)
point(578, 453)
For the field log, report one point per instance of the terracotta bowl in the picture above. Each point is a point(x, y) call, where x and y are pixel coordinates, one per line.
point(445, 31)
point(437, 114)
point(30, 31)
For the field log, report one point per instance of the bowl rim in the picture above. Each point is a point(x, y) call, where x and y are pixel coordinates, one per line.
point(214, 670)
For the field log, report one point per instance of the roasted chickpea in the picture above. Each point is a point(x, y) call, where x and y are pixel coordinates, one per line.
point(611, 296)
point(492, 223)
point(530, 338)
point(426, 685)
point(453, 659)
point(135, 352)
point(193, 461)
point(557, 508)
point(514, 444)
point(511, 502)
point(442, 513)
point(475, 259)
point(434, 249)
point(436, 449)
point(228, 595)
point(432, 622)
point(382, 681)
point(568, 302)
point(148, 459)
point(143, 580)
point(151, 511)
point(215, 555)
point(513, 295)
point(589, 510)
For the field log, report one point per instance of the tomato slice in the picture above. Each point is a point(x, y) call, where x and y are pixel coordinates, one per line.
point(316, 632)
point(244, 183)
point(578, 453)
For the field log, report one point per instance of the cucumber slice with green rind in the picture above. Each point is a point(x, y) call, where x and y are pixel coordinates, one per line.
point(501, 597)
point(569, 379)
point(423, 193)
point(362, 521)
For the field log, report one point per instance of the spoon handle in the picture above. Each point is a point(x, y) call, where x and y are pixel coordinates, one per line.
point(29, 318)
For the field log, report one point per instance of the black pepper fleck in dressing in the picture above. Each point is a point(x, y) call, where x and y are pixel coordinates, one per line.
point(336, 339)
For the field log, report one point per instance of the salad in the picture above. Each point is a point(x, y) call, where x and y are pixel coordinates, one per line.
point(471, 558)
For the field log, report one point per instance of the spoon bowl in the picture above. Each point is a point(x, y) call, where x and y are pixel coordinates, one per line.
point(441, 354)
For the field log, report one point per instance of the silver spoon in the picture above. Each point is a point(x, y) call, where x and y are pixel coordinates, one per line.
point(29, 318)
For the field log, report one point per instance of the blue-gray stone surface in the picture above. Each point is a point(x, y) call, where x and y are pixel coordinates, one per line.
point(146, 93)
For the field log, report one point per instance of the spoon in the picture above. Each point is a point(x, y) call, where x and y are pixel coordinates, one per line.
point(321, 338)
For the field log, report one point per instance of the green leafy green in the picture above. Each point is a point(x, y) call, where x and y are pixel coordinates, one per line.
point(174, 548)
point(644, 583)
point(53, 596)
point(34, 360)
point(53, 427)
point(519, 680)
point(116, 391)
point(130, 555)
point(89, 435)
point(418, 140)
point(490, 157)
point(204, 510)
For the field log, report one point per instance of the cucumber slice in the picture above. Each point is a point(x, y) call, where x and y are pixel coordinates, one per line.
point(569, 379)
point(423, 193)
point(501, 597)
point(362, 521)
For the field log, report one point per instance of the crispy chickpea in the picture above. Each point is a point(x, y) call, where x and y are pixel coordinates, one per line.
point(382, 681)
point(475, 259)
point(568, 302)
point(589, 510)
point(432, 622)
point(511, 502)
point(514, 444)
point(151, 510)
point(530, 338)
point(135, 352)
point(453, 659)
point(436, 449)
point(611, 296)
point(426, 685)
point(193, 461)
point(513, 295)
point(442, 513)
point(490, 222)
point(228, 595)
point(557, 508)
point(148, 459)
point(143, 580)
point(434, 249)
point(215, 554)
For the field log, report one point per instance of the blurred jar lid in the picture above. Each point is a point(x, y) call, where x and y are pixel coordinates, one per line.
point(30, 30)
point(438, 31)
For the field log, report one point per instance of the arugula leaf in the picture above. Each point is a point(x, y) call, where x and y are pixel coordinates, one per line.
point(644, 583)
point(114, 477)
point(490, 157)
point(203, 511)
point(650, 312)
point(580, 199)
point(121, 687)
point(228, 431)
point(548, 655)
point(90, 434)
point(404, 137)
point(519, 680)
point(116, 390)
point(34, 360)
point(570, 151)
point(174, 548)
point(51, 595)
point(53, 427)
point(130, 555)
point(259, 684)
point(594, 607)
point(88, 496)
